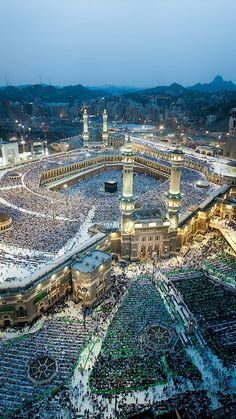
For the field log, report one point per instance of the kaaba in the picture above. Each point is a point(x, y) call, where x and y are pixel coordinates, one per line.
point(111, 186)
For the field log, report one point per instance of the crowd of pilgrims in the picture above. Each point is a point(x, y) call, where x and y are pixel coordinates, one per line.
point(224, 266)
point(57, 339)
point(194, 404)
point(124, 360)
point(213, 306)
point(59, 334)
point(45, 220)
point(206, 162)
point(71, 401)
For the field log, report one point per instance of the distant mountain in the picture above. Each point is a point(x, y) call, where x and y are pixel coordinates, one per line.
point(115, 90)
point(217, 85)
point(48, 93)
point(174, 89)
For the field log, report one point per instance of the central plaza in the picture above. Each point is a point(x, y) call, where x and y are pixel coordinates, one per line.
point(117, 303)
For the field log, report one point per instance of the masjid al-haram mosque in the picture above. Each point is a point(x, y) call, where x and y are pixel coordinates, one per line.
point(117, 280)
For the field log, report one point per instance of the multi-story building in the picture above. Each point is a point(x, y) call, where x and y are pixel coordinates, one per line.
point(91, 277)
point(71, 274)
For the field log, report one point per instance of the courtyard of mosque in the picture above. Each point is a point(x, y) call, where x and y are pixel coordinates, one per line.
point(48, 223)
point(134, 350)
point(162, 337)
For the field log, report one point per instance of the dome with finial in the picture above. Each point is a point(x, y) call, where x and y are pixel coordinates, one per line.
point(5, 221)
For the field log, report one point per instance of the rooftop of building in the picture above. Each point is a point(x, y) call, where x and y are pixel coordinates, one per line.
point(13, 174)
point(149, 215)
point(44, 271)
point(206, 204)
point(91, 261)
point(232, 163)
point(231, 201)
point(207, 147)
point(177, 151)
point(114, 134)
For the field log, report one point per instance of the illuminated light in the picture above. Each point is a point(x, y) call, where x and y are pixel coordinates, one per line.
point(138, 225)
point(152, 224)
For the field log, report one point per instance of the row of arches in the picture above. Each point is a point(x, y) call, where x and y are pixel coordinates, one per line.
point(212, 177)
point(58, 173)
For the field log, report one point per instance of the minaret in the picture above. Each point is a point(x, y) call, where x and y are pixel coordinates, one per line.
point(127, 201)
point(85, 128)
point(104, 127)
point(174, 195)
point(230, 140)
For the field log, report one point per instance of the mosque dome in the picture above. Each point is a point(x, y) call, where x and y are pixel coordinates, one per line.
point(5, 221)
point(202, 184)
point(13, 175)
point(177, 151)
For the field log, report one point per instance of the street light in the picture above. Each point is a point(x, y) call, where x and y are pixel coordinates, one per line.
point(154, 254)
point(85, 293)
point(155, 260)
